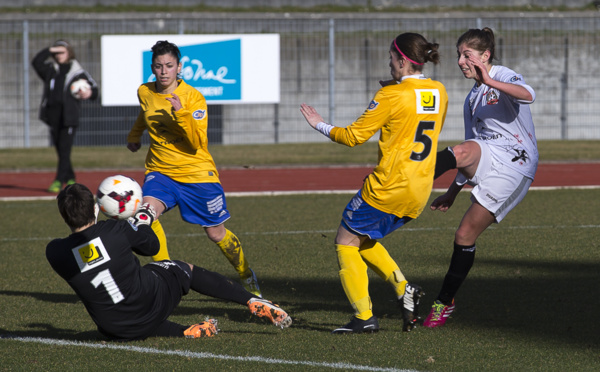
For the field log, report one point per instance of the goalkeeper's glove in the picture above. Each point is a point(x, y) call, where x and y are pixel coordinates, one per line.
point(144, 216)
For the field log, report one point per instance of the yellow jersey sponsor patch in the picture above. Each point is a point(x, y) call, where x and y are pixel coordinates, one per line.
point(428, 101)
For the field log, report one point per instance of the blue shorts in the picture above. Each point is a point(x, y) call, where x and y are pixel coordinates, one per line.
point(199, 203)
point(363, 219)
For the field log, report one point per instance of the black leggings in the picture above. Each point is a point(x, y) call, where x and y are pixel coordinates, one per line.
point(62, 139)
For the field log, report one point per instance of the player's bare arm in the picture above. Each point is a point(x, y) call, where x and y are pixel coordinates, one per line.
point(513, 90)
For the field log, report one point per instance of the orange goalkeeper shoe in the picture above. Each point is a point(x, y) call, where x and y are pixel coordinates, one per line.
point(264, 308)
point(207, 328)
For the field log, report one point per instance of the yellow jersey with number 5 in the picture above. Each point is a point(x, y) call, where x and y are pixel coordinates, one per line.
point(410, 115)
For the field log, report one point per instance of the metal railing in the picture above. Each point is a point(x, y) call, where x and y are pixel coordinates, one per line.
point(333, 62)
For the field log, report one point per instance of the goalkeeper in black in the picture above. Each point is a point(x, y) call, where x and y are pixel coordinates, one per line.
point(124, 299)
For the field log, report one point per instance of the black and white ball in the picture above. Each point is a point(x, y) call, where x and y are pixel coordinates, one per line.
point(119, 197)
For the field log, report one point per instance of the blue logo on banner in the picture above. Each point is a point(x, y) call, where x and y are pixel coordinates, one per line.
point(215, 69)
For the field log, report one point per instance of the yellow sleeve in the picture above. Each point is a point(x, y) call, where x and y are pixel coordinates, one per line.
point(371, 121)
point(135, 134)
point(193, 122)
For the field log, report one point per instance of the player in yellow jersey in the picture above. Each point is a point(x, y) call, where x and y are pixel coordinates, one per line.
point(409, 111)
point(179, 169)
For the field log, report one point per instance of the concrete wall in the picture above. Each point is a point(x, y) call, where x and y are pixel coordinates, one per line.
point(377, 4)
point(545, 47)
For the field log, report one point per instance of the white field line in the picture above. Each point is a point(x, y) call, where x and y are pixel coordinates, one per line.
point(300, 192)
point(303, 232)
point(201, 355)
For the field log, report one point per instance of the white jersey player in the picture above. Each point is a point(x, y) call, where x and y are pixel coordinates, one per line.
point(499, 157)
point(503, 122)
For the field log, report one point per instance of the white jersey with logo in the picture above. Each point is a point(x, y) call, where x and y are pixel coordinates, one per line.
point(503, 122)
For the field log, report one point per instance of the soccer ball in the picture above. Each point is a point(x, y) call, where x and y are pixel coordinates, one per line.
point(119, 197)
point(79, 86)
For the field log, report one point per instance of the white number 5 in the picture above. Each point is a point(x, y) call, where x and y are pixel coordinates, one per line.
point(105, 278)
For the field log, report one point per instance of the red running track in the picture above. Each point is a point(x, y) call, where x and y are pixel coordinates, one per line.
point(298, 179)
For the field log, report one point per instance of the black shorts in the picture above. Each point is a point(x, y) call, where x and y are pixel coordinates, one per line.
point(176, 274)
point(174, 280)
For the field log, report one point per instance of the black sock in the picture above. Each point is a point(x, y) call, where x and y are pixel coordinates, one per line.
point(169, 329)
point(460, 264)
point(216, 285)
point(445, 161)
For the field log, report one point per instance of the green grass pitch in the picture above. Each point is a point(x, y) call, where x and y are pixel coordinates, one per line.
point(529, 303)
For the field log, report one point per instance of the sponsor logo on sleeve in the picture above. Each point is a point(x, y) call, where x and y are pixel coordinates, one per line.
point(373, 105)
point(199, 114)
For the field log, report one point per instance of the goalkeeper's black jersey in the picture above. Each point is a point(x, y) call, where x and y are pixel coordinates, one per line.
point(124, 299)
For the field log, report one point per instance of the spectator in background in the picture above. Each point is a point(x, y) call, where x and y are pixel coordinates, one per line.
point(60, 108)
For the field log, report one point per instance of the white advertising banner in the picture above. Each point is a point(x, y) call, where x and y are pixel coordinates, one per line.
point(226, 69)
